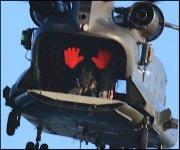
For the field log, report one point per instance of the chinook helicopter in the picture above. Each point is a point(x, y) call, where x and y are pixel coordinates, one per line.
point(74, 100)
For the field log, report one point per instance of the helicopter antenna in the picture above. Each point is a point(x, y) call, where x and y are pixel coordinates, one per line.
point(26, 56)
point(170, 25)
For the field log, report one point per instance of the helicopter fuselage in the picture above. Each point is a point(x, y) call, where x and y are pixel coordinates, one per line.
point(42, 95)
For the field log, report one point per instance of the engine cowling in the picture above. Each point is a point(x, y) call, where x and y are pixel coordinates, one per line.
point(148, 18)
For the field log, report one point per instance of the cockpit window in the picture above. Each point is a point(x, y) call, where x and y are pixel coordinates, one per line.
point(80, 64)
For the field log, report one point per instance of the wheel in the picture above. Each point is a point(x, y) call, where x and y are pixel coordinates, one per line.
point(44, 146)
point(11, 123)
point(30, 145)
point(143, 138)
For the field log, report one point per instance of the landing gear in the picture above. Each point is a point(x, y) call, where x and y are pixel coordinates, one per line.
point(6, 92)
point(143, 139)
point(14, 116)
point(102, 146)
point(38, 138)
point(44, 146)
point(144, 134)
point(160, 146)
point(31, 145)
point(13, 122)
point(99, 143)
point(116, 147)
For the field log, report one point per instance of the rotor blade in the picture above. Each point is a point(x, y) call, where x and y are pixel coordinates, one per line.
point(152, 1)
point(23, 1)
point(170, 25)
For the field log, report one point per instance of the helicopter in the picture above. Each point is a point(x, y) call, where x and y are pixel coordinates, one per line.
point(130, 105)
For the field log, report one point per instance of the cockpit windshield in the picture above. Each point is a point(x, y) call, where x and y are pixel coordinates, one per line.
point(80, 65)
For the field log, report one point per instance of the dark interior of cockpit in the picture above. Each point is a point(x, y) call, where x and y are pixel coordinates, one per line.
point(82, 65)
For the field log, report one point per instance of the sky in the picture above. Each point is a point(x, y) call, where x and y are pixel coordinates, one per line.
point(15, 17)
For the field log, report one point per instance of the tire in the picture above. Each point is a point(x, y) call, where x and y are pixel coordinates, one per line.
point(30, 145)
point(11, 123)
point(143, 138)
point(44, 146)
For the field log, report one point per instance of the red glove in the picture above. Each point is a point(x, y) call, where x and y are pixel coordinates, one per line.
point(103, 59)
point(71, 57)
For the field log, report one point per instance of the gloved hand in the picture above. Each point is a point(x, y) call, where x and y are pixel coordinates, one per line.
point(71, 57)
point(103, 59)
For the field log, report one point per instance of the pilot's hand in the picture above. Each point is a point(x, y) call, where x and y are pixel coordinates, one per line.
point(103, 59)
point(71, 57)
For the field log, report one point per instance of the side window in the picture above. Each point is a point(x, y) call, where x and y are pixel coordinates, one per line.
point(120, 87)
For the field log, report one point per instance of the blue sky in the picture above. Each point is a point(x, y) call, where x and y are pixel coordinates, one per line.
point(15, 18)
